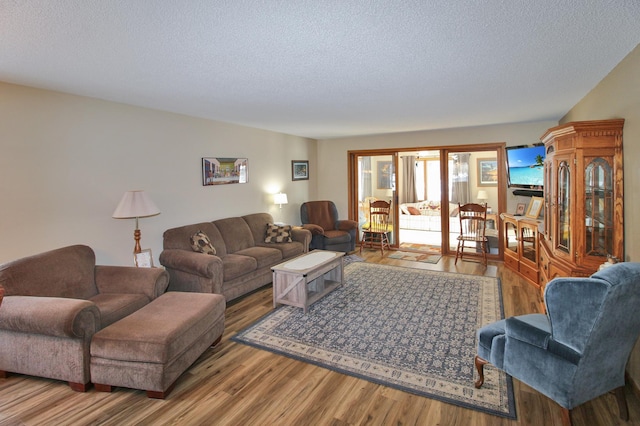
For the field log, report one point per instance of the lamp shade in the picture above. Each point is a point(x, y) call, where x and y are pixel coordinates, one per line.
point(135, 204)
point(280, 198)
point(482, 195)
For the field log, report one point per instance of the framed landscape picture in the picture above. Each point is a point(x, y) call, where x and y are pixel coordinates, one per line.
point(487, 172)
point(299, 170)
point(224, 170)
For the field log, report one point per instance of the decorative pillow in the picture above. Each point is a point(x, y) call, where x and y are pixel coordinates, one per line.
point(201, 243)
point(413, 211)
point(278, 234)
point(404, 209)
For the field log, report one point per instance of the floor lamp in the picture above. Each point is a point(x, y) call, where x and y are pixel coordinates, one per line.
point(135, 204)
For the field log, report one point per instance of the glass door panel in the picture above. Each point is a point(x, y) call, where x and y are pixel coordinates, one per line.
point(564, 213)
point(598, 208)
point(376, 179)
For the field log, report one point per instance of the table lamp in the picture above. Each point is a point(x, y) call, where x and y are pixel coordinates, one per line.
point(482, 196)
point(280, 198)
point(135, 204)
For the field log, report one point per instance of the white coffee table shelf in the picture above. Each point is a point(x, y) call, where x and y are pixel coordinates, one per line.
point(304, 280)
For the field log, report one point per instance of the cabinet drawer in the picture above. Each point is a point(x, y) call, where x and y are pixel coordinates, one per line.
point(511, 263)
point(529, 273)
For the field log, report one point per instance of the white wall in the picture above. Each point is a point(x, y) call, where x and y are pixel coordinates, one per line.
point(66, 161)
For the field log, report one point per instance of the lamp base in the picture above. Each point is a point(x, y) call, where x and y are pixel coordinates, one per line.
point(136, 237)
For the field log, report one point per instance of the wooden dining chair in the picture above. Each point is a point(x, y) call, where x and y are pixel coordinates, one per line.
point(376, 231)
point(473, 224)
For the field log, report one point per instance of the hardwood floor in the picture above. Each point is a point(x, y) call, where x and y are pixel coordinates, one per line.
point(234, 384)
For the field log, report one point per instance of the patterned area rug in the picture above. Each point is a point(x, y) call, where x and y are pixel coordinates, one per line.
point(416, 257)
point(410, 329)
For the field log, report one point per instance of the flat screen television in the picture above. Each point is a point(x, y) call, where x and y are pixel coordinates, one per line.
point(524, 167)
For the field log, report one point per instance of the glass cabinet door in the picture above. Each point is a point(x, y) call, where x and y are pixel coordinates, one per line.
point(563, 237)
point(511, 236)
point(598, 208)
point(528, 238)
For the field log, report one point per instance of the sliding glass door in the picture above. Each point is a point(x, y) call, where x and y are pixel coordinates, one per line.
point(425, 186)
point(375, 180)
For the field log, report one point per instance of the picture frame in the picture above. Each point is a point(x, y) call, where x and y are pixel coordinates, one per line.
point(299, 170)
point(384, 171)
point(144, 259)
point(487, 171)
point(535, 206)
point(520, 209)
point(224, 170)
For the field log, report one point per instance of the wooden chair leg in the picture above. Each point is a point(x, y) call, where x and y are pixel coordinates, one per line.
point(479, 362)
point(566, 416)
point(622, 403)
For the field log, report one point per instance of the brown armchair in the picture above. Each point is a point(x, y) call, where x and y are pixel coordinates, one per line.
point(328, 232)
point(55, 302)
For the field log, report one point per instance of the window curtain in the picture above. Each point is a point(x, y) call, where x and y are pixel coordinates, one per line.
point(366, 187)
point(460, 179)
point(408, 187)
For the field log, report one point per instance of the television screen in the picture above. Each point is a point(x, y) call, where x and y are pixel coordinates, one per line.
point(524, 166)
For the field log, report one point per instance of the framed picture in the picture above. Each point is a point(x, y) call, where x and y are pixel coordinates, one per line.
point(144, 259)
point(299, 170)
point(487, 172)
point(385, 171)
point(520, 209)
point(224, 170)
point(535, 206)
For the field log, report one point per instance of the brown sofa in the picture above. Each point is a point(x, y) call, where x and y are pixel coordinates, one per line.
point(56, 301)
point(243, 259)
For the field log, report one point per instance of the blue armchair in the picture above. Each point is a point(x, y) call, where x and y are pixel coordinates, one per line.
point(580, 348)
point(327, 231)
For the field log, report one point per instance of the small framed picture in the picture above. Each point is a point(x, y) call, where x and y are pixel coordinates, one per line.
point(520, 209)
point(144, 259)
point(299, 170)
point(535, 206)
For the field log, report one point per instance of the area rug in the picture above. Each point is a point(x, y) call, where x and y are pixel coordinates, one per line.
point(416, 257)
point(350, 258)
point(409, 329)
point(422, 247)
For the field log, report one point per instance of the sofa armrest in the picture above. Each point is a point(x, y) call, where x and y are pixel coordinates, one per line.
point(347, 225)
point(151, 282)
point(301, 235)
point(204, 265)
point(533, 329)
point(314, 229)
point(50, 316)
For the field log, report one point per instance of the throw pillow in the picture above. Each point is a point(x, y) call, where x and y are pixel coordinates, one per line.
point(413, 211)
point(278, 234)
point(201, 243)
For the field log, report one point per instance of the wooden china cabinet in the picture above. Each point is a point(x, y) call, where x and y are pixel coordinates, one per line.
point(583, 198)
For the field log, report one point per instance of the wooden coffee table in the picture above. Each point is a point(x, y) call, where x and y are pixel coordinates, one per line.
point(305, 279)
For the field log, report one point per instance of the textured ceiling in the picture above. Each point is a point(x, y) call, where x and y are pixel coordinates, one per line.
point(323, 68)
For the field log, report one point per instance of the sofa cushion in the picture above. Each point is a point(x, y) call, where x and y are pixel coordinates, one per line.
point(178, 238)
point(278, 234)
point(264, 256)
point(413, 211)
point(201, 243)
point(236, 234)
point(64, 272)
point(235, 265)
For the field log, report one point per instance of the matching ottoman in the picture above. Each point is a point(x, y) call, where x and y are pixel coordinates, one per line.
point(152, 347)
